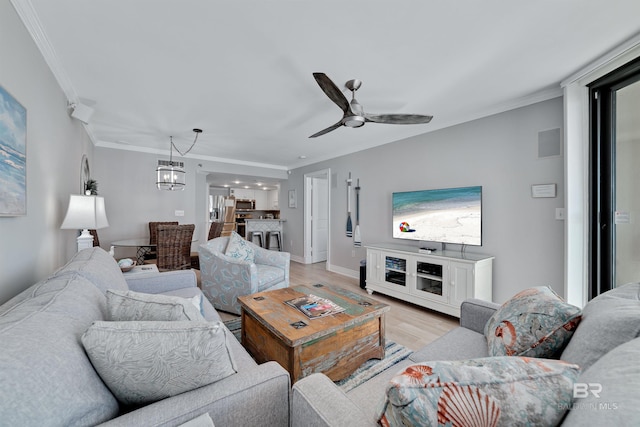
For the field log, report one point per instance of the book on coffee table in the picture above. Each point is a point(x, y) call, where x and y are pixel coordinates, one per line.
point(314, 306)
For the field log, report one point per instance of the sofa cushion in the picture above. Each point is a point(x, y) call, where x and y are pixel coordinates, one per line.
point(142, 362)
point(535, 323)
point(609, 320)
point(501, 391)
point(239, 248)
point(608, 395)
point(130, 306)
point(457, 344)
point(45, 375)
point(97, 266)
point(203, 420)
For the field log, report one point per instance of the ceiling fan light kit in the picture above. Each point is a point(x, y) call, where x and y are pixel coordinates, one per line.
point(353, 113)
point(171, 175)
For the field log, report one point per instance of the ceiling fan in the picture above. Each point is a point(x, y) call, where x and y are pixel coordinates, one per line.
point(354, 115)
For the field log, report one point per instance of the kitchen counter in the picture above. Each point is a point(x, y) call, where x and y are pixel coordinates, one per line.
point(265, 226)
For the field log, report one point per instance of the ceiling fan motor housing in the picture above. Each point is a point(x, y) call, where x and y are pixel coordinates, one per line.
point(354, 121)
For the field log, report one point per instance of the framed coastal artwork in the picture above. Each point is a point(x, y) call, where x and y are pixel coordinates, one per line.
point(13, 156)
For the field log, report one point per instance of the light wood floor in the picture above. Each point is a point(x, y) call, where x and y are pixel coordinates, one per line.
point(406, 324)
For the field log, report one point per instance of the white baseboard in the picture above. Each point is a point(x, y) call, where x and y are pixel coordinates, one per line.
point(344, 271)
point(330, 267)
point(297, 259)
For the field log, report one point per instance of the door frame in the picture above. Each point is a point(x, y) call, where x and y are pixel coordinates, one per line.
point(602, 171)
point(308, 177)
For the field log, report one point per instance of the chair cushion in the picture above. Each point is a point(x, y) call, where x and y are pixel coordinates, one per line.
point(142, 362)
point(535, 323)
point(608, 320)
point(503, 391)
point(239, 248)
point(268, 276)
point(129, 306)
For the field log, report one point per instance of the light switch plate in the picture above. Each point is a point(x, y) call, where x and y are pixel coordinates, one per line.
point(179, 213)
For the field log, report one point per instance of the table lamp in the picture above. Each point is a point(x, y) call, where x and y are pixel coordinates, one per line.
point(84, 213)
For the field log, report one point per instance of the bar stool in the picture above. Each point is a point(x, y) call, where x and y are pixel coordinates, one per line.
point(276, 235)
point(259, 235)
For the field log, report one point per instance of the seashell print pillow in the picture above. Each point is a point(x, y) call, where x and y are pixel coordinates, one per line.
point(239, 248)
point(490, 391)
point(535, 322)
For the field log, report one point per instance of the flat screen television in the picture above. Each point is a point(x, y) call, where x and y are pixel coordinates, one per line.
point(448, 215)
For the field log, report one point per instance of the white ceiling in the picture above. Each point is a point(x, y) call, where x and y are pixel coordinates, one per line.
point(242, 70)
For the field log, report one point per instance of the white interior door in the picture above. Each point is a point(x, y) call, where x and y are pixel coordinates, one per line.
point(316, 216)
point(319, 219)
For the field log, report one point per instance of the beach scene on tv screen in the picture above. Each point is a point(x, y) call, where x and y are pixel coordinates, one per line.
point(452, 215)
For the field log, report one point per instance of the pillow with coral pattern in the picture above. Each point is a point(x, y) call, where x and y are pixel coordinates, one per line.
point(535, 322)
point(491, 391)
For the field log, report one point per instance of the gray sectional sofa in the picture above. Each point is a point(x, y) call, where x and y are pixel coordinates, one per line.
point(605, 345)
point(46, 378)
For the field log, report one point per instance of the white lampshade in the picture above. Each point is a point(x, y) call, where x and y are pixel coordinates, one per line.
point(84, 213)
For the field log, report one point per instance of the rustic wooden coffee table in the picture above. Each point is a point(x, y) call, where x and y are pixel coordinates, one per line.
point(335, 345)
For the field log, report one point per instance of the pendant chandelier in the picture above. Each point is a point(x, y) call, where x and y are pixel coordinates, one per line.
point(171, 175)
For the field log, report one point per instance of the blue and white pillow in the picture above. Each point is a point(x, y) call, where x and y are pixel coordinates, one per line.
point(239, 248)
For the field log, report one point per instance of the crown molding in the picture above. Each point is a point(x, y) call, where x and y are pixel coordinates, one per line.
point(607, 62)
point(119, 146)
point(32, 23)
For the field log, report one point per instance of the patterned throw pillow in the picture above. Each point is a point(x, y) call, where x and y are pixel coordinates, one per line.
point(143, 362)
point(535, 323)
point(491, 391)
point(131, 306)
point(239, 248)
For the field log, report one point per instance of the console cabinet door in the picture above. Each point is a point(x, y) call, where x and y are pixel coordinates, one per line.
point(460, 282)
point(430, 279)
point(373, 267)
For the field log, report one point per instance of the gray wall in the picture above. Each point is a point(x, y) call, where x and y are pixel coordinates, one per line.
point(126, 179)
point(33, 246)
point(499, 153)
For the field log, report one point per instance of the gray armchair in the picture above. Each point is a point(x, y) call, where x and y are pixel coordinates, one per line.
point(224, 279)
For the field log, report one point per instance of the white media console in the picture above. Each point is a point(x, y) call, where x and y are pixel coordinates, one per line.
point(440, 280)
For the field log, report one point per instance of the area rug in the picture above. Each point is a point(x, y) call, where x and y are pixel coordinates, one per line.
point(393, 354)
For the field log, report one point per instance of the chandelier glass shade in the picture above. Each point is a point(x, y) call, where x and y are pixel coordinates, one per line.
point(171, 175)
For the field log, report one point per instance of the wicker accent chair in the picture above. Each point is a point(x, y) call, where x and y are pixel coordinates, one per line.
point(174, 246)
point(96, 241)
point(153, 236)
point(214, 231)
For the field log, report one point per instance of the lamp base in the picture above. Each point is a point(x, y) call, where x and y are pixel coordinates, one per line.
point(85, 240)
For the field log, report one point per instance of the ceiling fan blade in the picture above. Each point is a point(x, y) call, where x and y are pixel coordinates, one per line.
point(332, 91)
point(327, 130)
point(398, 119)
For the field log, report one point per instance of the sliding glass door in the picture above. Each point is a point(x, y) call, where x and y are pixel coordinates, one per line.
point(615, 179)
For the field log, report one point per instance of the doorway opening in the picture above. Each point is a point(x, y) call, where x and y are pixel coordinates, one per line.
point(317, 240)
